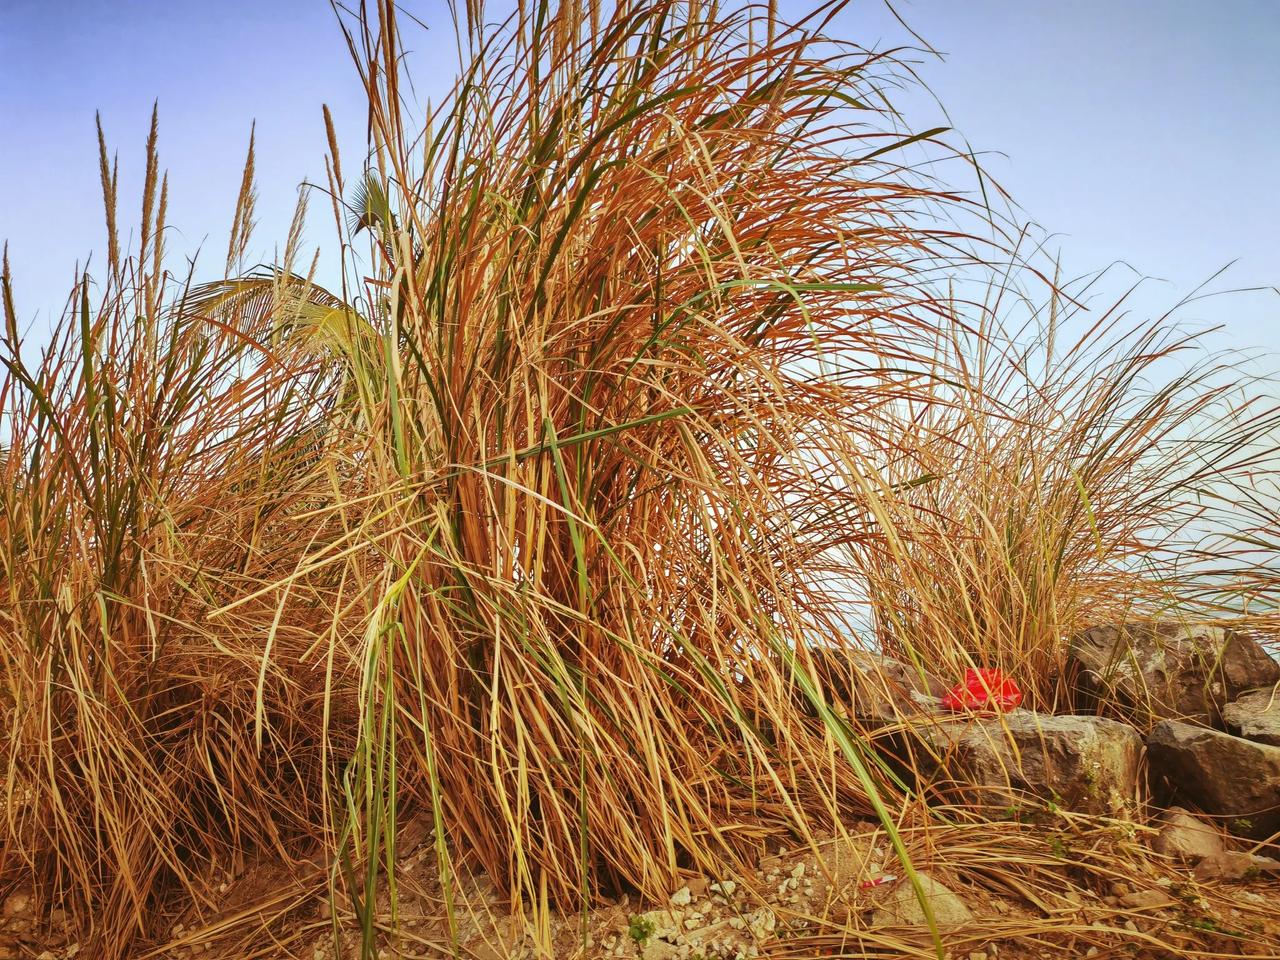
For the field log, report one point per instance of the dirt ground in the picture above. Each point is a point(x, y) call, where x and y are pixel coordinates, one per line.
point(1007, 891)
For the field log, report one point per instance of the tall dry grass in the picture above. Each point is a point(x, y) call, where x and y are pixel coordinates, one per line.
point(157, 465)
point(650, 371)
point(640, 278)
point(1083, 472)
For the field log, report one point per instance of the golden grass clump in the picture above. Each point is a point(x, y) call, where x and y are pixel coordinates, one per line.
point(155, 468)
point(1072, 484)
point(641, 285)
point(650, 383)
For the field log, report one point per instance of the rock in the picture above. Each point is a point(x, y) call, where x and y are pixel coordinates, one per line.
point(1087, 764)
point(682, 897)
point(1186, 837)
point(1255, 716)
point(19, 905)
point(901, 908)
point(1234, 865)
point(660, 950)
point(1146, 900)
point(1169, 670)
point(1221, 774)
point(725, 888)
point(874, 687)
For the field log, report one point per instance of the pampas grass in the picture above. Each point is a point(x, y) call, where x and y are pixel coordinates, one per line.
point(646, 386)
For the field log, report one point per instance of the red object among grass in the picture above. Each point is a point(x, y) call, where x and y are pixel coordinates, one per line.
point(986, 689)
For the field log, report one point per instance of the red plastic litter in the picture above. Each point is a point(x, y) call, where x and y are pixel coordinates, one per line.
point(868, 884)
point(985, 689)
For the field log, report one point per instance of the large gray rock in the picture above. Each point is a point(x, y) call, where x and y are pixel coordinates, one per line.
point(1223, 775)
point(1170, 670)
point(874, 687)
point(1255, 716)
point(1088, 764)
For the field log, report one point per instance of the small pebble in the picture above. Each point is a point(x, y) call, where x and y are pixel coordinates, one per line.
point(18, 904)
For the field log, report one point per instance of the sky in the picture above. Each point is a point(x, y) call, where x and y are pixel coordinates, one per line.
point(1142, 135)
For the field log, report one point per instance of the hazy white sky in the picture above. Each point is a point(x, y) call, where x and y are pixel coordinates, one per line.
point(1142, 132)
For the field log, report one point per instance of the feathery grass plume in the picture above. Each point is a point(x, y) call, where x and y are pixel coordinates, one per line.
point(149, 183)
point(638, 293)
point(334, 156)
point(242, 223)
point(107, 173)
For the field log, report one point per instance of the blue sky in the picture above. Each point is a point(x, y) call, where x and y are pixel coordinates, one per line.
point(1138, 133)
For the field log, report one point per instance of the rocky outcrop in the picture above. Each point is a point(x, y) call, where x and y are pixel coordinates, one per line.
point(1087, 764)
point(1223, 775)
point(1255, 716)
point(1170, 670)
point(874, 687)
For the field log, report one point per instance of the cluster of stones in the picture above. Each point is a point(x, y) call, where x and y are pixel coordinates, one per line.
point(1212, 700)
point(18, 927)
point(1209, 697)
point(704, 919)
point(725, 920)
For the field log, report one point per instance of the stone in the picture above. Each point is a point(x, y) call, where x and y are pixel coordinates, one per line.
point(874, 687)
point(698, 887)
point(1255, 716)
point(1146, 900)
point(1083, 763)
point(19, 905)
point(660, 950)
point(1169, 670)
point(1234, 865)
point(1223, 775)
point(1186, 837)
point(682, 897)
point(901, 908)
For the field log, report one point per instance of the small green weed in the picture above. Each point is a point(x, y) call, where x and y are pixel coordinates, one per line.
point(640, 928)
